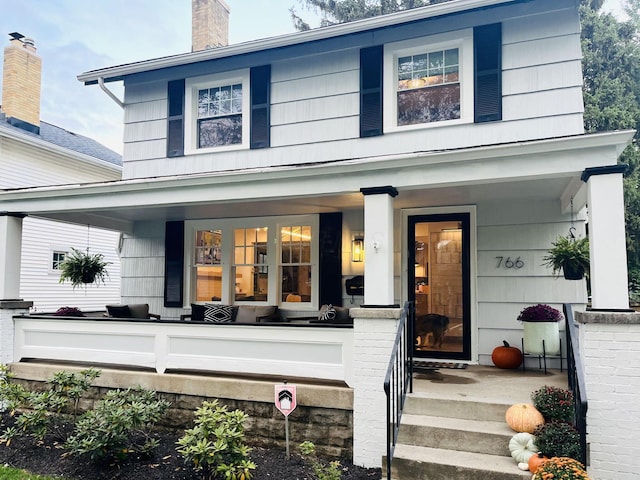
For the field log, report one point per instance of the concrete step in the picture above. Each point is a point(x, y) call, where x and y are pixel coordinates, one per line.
point(440, 406)
point(412, 462)
point(478, 436)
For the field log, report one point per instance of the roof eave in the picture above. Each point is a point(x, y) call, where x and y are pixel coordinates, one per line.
point(118, 72)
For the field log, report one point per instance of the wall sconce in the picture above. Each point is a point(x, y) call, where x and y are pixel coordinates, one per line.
point(357, 249)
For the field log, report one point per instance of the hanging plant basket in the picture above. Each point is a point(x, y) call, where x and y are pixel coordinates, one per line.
point(569, 255)
point(81, 268)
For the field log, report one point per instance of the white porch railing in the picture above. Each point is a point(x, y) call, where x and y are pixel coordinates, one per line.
point(283, 350)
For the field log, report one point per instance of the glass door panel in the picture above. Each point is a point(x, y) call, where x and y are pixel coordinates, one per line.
point(439, 285)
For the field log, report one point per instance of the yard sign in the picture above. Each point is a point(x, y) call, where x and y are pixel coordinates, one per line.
point(286, 399)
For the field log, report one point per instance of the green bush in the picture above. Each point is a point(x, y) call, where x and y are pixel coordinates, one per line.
point(554, 403)
point(322, 472)
point(44, 412)
point(215, 445)
point(118, 425)
point(558, 439)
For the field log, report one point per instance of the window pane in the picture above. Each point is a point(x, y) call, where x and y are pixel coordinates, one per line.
point(451, 57)
point(208, 247)
point(215, 132)
point(208, 284)
point(296, 283)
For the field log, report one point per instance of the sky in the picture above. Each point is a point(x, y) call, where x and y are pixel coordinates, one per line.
point(75, 36)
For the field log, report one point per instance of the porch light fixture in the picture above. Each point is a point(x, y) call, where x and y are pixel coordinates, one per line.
point(357, 249)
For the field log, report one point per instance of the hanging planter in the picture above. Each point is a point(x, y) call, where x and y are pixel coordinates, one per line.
point(569, 255)
point(81, 268)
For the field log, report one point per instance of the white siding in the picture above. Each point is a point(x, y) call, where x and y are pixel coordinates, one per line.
point(40, 283)
point(519, 230)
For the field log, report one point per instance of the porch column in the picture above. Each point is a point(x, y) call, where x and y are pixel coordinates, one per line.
point(10, 304)
point(607, 243)
point(378, 241)
point(374, 331)
point(10, 252)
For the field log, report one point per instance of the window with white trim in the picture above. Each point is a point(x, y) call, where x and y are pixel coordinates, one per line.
point(430, 81)
point(217, 112)
point(57, 257)
point(267, 261)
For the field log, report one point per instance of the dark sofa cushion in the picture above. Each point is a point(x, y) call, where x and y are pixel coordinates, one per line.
point(119, 311)
point(197, 312)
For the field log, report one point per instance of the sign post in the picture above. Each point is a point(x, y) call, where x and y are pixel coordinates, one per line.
point(285, 397)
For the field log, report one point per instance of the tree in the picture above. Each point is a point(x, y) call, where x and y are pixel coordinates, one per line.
point(341, 11)
point(611, 71)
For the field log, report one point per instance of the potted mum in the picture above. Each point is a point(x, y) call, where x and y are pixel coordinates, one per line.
point(561, 468)
point(541, 331)
point(83, 268)
point(571, 255)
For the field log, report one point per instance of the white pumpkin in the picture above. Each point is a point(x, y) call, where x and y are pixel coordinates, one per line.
point(522, 447)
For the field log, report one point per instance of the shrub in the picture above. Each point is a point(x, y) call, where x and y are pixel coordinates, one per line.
point(554, 403)
point(68, 312)
point(118, 425)
point(322, 472)
point(558, 439)
point(45, 411)
point(561, 468)
point(216, 444)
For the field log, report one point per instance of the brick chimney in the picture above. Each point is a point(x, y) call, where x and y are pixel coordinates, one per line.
point(209, 24)
point(22, 72)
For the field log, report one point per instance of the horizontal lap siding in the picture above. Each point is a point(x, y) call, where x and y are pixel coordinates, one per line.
point(315, 99)
point(542, 74)
point(520, 230)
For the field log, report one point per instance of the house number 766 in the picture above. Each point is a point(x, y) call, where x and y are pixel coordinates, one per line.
point(509, 263)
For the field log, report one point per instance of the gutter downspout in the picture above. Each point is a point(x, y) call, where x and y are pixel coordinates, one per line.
point(109, 92)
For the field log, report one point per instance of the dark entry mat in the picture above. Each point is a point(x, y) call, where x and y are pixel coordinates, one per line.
point(418, 365)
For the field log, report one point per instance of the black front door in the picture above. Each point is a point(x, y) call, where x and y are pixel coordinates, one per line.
point(439, 284)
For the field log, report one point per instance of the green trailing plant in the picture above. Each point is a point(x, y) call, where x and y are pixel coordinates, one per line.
point(568, 255)
point(554, 403)
point(558, 439)
point(322, 471)
point(81, 268)
point(215, 445)
point(118, 425)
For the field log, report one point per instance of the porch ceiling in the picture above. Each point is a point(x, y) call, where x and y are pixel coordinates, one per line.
point(547, 169)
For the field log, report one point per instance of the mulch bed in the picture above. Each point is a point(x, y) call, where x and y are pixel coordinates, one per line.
point(47, 458)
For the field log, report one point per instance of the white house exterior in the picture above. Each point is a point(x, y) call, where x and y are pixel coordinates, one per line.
point(36, 153)
point(450, 138)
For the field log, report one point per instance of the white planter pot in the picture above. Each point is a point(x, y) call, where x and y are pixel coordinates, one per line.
point(536, 332)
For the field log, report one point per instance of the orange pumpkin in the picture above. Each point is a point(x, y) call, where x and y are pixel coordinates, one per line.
point(523, 417)
point(506, 356)
point(535, 461)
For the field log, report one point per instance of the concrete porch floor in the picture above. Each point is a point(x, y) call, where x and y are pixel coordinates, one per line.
point(486, 383)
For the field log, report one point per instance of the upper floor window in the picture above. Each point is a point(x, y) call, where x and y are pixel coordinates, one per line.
point(220, 116)
point(428, 87)
point(429, 81)
point(217, 112)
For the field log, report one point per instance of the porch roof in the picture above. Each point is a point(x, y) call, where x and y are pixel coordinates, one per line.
point(542, 169)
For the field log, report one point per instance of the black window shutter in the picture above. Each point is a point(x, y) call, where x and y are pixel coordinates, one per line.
point(175, 120)
point(371, 91)
point(330, 244)
point(174, 264)
point(487, 59)
point(260, 79)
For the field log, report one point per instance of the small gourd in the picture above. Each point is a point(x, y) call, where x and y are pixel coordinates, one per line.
point(523, 417)
point(522, 447)
point(535, 461)
point(506, 356)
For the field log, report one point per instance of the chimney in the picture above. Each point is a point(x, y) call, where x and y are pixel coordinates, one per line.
point(22, 72)
point(209, 24)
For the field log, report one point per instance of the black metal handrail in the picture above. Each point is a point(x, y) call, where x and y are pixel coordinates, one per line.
point(576, 380)
point(399, 378)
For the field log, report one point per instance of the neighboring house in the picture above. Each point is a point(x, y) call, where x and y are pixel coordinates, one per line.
point(450, 138)
point(35, 153)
